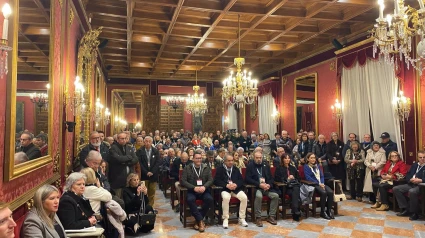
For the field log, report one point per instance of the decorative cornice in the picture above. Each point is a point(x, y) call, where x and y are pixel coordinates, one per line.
point(30, 204)
point(332, 65)
point(358, 44)
point(284, 81)
point(56, 163)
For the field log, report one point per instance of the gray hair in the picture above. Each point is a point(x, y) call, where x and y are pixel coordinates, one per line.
point(93, 154)
point(227, 156)
point(221, 150)
point(20, 157)
point(93, 132)
point(240, 149)
point(199, 150)
point(148, 138)
point(29, 134)
point(73, 178)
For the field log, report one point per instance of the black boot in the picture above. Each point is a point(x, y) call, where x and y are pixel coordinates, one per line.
point(324, 216)
point(330, 214)
point(403, 213)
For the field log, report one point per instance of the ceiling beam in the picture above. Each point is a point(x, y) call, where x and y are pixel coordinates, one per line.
point(169, 30)
point(216, 19)
point(130, 20)
point(43, 10)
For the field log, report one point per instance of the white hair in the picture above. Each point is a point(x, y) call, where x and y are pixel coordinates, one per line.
point(239, 149)
point(73, 178)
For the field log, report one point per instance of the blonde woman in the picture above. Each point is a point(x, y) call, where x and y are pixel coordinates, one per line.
point(239, 163)
point(94, 192)
point(42, 221)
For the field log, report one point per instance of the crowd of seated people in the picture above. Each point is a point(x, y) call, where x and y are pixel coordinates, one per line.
point(127, 168)
point(29, 147)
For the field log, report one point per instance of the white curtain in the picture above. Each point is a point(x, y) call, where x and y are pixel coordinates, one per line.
point(354, 95)
point(266, 106)
point(383, 88)
point(370, 89)
point(233, 117)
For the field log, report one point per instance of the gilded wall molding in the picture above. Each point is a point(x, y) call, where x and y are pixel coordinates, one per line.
point(29, 204)
point(56, 163)
point(61, 3)
point(71, 16)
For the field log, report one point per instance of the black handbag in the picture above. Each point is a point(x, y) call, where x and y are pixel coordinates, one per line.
point(293, 183)
point(145, 219)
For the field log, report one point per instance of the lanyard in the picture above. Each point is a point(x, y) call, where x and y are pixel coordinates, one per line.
point(419, 168)
point(287, 172)
point(316, 173)
point(197, 174)
point(229, 174)
point(260, 173)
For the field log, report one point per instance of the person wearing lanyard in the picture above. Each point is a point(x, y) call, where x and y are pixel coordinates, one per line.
point(197, 178)
point(230, 179)
point(258, 174)
point(415, 176)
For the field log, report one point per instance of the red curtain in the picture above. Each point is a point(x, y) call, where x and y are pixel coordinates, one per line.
point(270, 87)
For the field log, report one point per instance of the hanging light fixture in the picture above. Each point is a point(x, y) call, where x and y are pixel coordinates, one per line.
point(403, 105)
point(393, 35)
point(175, 102)
point(41, 100)
point(239, 88)
point(196, 103)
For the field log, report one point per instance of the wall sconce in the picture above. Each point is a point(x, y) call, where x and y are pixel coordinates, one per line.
point(70, 126)
point(7, 11)
point(98, 112)
point(403, 105)
point(77, 99)
point(337, 110)
point(107, 117)
point(276, 116)
point(138, 126)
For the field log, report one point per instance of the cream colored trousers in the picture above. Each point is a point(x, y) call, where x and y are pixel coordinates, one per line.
point(225, 204)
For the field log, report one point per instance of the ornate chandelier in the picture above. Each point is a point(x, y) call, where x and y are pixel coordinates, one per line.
point(196, 103)
point(394, 34)
point(41, 100)
point(175, 102)
point(239, 88)
point(403, 105)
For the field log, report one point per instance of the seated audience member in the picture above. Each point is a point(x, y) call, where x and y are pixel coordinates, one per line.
point(335, 160)
point(93, 160)
point(74, 210)
point(7, 224)
point(94, 191)
point(278, 155)
point(212, 162)
point(220, 155)
point(197, 178)
point(314, 173)
point(28, 147)
point(41, 220)
point(388, 144)
point(168, 161)
point(241, 155)
point(258, 174)
point(20, 157)
point(354, 158)
point(239, 163)
point(394, 169)
point(295, 153)
point(95, 144)
point(374, 162)
point(287, 173)
point(230, 179)
point(175, 168)
point(215, 146)
point(319, 149)
point(190, 152)
point(415, 176)
point(135, 195)
point(122, 159)
point(41, 142)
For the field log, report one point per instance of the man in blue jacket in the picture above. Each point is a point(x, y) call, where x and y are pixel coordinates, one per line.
point(415, 176)
point(387, 144)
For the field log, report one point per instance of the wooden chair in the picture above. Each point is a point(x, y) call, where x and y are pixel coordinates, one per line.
point(316, 196)
point(391, 197)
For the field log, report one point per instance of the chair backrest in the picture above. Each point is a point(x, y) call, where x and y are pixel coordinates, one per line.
point(301, 172)
point(180, 174)
point(243, 173)
point(213, 172)
point(273, 170)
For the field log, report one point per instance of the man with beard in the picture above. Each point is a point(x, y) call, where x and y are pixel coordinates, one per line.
point(95, 143)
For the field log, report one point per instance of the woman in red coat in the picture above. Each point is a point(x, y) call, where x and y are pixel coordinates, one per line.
point(394, 170)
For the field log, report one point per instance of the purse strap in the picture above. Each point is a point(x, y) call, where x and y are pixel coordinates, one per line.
point(142, 206)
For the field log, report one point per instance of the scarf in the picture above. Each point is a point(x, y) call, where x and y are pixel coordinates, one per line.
point(315, 172)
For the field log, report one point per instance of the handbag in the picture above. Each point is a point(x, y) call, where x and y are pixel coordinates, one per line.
point(338, 193)
point(145, 219)
point(292, 183)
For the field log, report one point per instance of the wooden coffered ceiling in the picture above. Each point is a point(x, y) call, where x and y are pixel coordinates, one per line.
point(165, 39)
point(131, 97)
point(34, 36)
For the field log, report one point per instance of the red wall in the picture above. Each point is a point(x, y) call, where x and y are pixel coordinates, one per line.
point(29, 113)
point(130, 115)
point(327, 87)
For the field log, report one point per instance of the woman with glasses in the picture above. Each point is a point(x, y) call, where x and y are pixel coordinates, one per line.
point(394, 170)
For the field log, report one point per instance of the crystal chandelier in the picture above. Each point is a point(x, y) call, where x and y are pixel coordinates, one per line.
point(337, 110)
point(196, 103)
point(107, 117)
point(394, 34)
point(403, 105)
point(175, 102)
point(41, 100)
point(77, 104)
point(98, 112)
point(239, 88)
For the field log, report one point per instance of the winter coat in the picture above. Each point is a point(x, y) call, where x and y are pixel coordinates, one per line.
point(380, 160)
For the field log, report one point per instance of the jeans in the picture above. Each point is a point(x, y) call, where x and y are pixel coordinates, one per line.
point(326, 197)
point(207, 203)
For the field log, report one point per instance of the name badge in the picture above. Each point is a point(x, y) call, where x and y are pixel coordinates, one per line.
point(262, 180)
point(199, 182)
point(374, 164)
point(230, 182)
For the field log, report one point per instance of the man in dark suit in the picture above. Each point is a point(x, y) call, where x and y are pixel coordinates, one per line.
point(122, 159)
point(149, 161)
point(32, 151)
point(415, 176)
point(259, 174)
point(95, 143)
point(175, 170)
point(230, 179)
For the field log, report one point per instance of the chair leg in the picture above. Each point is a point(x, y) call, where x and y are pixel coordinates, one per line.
point(314, 206)
point(335, 208)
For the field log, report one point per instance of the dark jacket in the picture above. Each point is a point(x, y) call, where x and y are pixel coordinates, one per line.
point(175, 168)
point(217, 163)
point(412, 171)
point(132, 201)
point(281, 174)
point(309, 175)
point(221, 179)
point(303, 149)
point(244, 143)
point(74, 211)
point(166, 163)
point(388, 147)
point(311, 144)
point(104, 151)
point(320, 150)
point(189, 178)
point(334, 149)
point(32, 151)
point(155, 163)
point(365, 146)
point(252, 175)
point(120, 158)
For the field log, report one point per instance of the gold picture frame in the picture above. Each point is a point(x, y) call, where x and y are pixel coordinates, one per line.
point(316, 123)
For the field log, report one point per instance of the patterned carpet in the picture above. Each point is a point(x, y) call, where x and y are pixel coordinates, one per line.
point(354, 220)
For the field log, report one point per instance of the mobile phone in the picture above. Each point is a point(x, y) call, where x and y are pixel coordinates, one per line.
point(142, 183)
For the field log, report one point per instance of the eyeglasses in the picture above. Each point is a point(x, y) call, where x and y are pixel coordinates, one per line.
point(422, 157)
point(394, 156)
